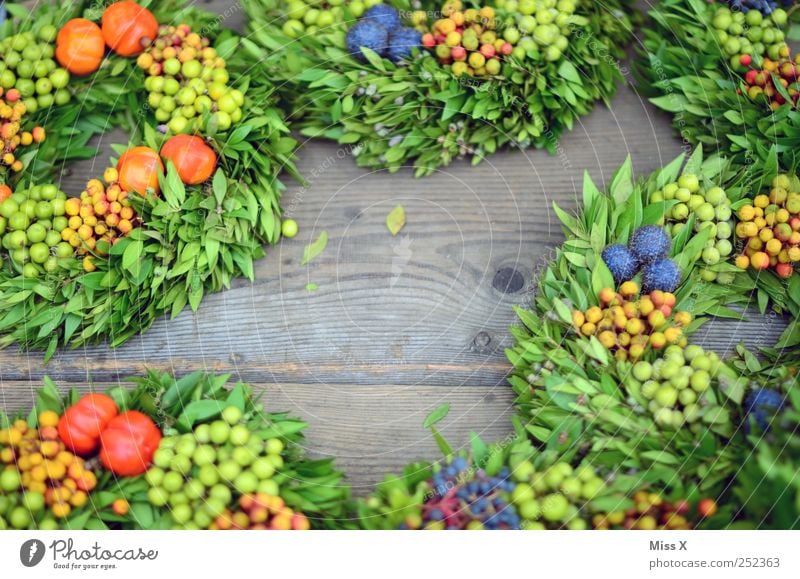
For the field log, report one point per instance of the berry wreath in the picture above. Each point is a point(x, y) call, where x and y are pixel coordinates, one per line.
point(189, 453)
point(424, 82)
point(605, 371)
point(622, 422)
point(726, 73)
point(184, 210)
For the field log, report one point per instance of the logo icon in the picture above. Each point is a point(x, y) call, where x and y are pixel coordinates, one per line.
point(32, 552)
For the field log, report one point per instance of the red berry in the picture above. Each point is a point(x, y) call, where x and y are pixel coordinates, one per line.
point(750, 76)
point(707, 508)
point(458, 53)
point(487, 50)
point(506, 48)
point(428, 40)
point(745, 60)
point(784, 270)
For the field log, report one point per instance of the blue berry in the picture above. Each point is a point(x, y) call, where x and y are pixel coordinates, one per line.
point(762, 404)
point(621, 262)
point(401, 42)
point(649, 243)
point(367, 34)
point(384, 15)
point(663, 274)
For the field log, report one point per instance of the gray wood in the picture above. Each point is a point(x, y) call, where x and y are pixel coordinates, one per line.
point(370, 430)
point(416, 309)
point(416, 318)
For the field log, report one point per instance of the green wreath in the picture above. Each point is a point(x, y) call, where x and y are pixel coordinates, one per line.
point(694, 63)
point(714, 434)
point(419, 111)
point(214, 445)
point(192, 239)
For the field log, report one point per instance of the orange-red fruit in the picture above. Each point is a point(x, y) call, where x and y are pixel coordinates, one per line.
point(128, 28)
point(759, 260)
point(139, 168)
point(5, 192)
point(120, 507)
point(707, 507)
point(194, 160)
point(80, 46)
point(784, 270)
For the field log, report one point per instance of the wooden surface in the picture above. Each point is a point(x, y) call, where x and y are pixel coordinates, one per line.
point(398, 325)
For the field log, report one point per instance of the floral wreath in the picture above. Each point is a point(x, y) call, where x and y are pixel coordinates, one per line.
point(184, 209)
point(423, 83)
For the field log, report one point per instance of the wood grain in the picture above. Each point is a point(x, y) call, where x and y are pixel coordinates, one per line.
point(419, 308)
point(370, 430)
point(398, 325)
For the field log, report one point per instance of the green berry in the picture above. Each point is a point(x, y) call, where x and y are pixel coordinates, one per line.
point(232, 415)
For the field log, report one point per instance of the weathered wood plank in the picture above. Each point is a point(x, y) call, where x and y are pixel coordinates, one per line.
point(370, 430)
point(418, 308)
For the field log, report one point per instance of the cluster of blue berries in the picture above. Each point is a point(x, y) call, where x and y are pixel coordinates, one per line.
point(766, 7)
point(382, 31)
point(762, 405)
point(647, 252)
point(465, 499)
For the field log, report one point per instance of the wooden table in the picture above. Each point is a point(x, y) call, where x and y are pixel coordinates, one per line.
point(398, 325)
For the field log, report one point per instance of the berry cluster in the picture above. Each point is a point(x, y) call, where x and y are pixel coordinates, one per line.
point(650, 513)
point(31, 225)
point(552, 498)
point(312, 16)
point(12, 111)
point(676, 386)
point(261, 512)
point(761, 84)
point(99, 217)
point(539, 28)
point(198, 473)
point(751, 33)
point(467, 499)
point(766, 7)
point(27, 65)
point(770, 228)
point(627, 323)
point(711, 209)
point(467, 41)
point(381, 30)
point(40, 474)
point(646, 253)
point(187, 80)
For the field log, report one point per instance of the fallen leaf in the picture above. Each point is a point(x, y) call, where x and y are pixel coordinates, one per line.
point(312, 250)
point(312, 287)
point(396, 219)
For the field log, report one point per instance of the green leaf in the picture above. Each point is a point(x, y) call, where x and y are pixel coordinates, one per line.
point(312, 287)
point(601, 277)
point(396, 219)
point(436, 416)
point(199, 411)
point(568, 71)
point(220, 186)
point(313, 249)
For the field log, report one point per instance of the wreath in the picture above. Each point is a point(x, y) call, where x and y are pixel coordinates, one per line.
point(185, 208)
point(425, 83)
point(188, 453)
point(604, 368)
point(726, 75)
